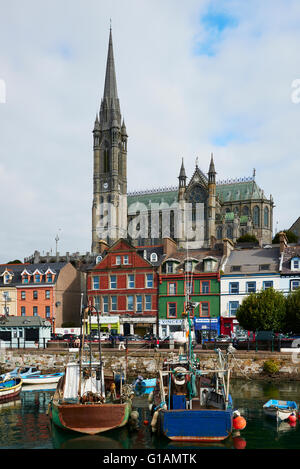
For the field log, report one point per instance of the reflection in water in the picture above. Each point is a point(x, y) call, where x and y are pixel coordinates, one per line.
point(24, 424)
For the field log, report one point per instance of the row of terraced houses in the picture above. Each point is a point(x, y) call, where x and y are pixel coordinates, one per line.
point(145, 289)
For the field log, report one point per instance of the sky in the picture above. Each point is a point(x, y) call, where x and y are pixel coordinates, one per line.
point(194, 78)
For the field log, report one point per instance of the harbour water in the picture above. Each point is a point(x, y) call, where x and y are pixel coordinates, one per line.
point(24, 423)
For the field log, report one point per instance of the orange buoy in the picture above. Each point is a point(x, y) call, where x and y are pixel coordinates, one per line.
point(146, 422)
point(292, 418)
point(239, 423)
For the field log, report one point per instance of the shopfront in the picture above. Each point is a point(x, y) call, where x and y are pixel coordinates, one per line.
point(206, 328)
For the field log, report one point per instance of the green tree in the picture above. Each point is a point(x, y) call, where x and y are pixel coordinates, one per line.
point(291, 237)
point(263, 311)
point(292, 323)
point(247, 238)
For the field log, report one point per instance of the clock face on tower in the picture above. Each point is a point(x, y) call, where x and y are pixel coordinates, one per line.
point(197, 194)
point(105, 185)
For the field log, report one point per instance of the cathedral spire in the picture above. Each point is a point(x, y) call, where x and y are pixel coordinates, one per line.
point(110, 87)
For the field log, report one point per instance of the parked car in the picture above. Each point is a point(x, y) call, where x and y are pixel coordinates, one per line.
point(133, 337)
point(70, 337)
point(223, 338)
point(57, 336)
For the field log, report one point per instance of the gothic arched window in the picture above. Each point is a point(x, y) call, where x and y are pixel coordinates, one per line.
point(106, 165)
point(245, 210)
point(266, 216)
point(229, 232)
point(219, 232)
point(256, 216)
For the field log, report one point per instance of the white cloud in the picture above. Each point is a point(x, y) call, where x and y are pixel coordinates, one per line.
point(175, 103)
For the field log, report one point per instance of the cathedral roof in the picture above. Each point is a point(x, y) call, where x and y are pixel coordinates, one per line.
point(110, 87)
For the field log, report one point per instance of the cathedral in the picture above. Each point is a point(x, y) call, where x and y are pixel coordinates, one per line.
point(198, 212)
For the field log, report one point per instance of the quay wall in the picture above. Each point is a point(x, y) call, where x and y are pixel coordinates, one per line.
point(243, 364)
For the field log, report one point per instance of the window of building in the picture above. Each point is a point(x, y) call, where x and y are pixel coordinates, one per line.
point(148, 302)
point(153, 257)
point(126, 260)
point(219, 232)
point(139, 303)
point(35, 311)
point(37, 278)
point(264, 267)
point(131, 281)
point(25, 279)
point(233, 307)
point(188, 266)
point(204, 309)
point(235, 268)
point(97, 303)
point(35, 295)
point(172, 310)
point(47, 294)
point(49, 278)
point(105, 304)
point(266, 216)
point(114, 303)
point(234, 288)
point(23, 311)
point(47, 311)
point(267, 284)
point(113, 281)
point(250, 287)
point(23, 295)
point(205, 287)
point(256, 214)
point(169, 268)
point(130, 302)
point(118, 260)
point(96, 283)
point(295, 284)
point(295, 264)
point(229, 232)
point(7, 278)
point(149, 281)
point(172, 288)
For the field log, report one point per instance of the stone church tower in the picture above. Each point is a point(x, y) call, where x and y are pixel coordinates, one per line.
point(109, 212)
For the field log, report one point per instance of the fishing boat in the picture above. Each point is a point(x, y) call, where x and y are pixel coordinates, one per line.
point(10, 389)
point(21, 372)
point(144, 386)
point(43, 379)
point(83, 402)
point(190, 403)
point(280, 410)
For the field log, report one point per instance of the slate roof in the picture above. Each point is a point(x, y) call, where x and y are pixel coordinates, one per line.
point(148, 250)
point(22, 321)
point(253, 260)
point(17, 269)
point(228, 192)
point(288, 254)
point(183, 255)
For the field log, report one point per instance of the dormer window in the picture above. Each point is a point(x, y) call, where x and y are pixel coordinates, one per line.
point(37, 278)
point(188, 266)
point(153, 257)
point(7, 277)
point(209, 264)
point(295, 263)
point(170, 268)
point(49, 278)
point(25, 278)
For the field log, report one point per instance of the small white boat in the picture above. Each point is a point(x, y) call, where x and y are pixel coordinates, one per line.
point(43, 379)
point(10, 389)
point(280, 410)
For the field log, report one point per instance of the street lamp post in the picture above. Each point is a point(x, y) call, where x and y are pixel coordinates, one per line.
point(89, 309)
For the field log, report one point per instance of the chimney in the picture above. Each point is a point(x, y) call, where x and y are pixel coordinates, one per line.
point(102, 246)
point(283, 242)
point(169, 246)
point(228, 246)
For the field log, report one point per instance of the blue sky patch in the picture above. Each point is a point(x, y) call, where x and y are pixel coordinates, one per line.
point(214, 23)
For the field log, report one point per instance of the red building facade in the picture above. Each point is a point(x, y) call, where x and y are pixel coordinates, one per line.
point(124, 284)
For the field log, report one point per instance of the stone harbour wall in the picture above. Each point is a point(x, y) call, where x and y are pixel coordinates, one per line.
point(145, 363)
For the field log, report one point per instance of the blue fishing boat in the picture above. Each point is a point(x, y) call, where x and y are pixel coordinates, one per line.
point(21, 372)
point(43, 379)
point(144, 386)
point(10, 388)
point(190, 403)
point(280, 410)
